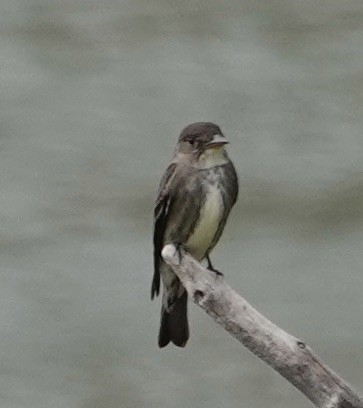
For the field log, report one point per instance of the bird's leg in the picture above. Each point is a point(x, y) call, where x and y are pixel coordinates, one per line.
point(210, 267)
point(178, 247)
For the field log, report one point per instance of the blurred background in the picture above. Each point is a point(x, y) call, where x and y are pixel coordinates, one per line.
point(93, 96)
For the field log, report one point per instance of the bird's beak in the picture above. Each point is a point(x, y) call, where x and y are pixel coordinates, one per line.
point(217, 142)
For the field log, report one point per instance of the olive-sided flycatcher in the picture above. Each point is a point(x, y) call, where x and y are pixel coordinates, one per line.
point(195, 196)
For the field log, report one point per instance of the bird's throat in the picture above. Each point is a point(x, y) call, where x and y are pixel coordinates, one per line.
point(212, 157)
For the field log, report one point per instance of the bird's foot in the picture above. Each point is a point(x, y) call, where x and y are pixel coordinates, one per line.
point(210, 267)
point(216, 271)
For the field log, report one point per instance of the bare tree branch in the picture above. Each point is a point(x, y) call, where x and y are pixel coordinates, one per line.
point(289, 356)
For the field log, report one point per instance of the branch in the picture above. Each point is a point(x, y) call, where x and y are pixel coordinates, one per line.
point(289, 356)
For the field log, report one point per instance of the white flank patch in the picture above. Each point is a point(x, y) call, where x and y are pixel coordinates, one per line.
point(210, 215)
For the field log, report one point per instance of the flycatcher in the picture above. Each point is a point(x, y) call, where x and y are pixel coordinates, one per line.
point(195, 197)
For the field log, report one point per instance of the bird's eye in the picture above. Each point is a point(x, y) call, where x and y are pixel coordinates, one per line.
point(191, 142)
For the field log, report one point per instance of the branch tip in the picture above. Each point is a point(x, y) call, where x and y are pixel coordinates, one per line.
point(171, 254)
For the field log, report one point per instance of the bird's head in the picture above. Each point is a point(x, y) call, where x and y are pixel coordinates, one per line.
point(202, 140)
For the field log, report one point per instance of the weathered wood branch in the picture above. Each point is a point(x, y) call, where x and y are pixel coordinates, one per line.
point(289, 356)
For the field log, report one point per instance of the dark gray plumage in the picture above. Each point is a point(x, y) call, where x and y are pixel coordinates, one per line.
point(196, 194)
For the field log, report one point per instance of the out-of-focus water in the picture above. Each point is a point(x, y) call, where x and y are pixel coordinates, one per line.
point(93, 96)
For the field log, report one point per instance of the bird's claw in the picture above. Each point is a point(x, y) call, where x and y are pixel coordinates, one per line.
point(216, 271)
point(210, 267)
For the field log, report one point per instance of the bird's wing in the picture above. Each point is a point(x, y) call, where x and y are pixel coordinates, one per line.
point(232, 182)
point(161, 214)
point(229, 199)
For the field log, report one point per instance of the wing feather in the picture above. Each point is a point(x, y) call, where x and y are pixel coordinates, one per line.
point(163, 205)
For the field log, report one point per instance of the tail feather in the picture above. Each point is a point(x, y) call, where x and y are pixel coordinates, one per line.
point(174, 324)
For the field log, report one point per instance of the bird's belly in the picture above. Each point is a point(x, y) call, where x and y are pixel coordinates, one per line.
point(207, 226)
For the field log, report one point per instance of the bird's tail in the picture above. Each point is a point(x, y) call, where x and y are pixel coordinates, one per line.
point(174, 323)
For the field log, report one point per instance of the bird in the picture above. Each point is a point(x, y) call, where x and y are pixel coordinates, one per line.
point(194, 199)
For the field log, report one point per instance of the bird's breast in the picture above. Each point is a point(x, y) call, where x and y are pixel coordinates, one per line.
point(211, 212)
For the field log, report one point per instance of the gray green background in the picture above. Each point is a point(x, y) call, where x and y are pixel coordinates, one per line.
point(93, 95)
